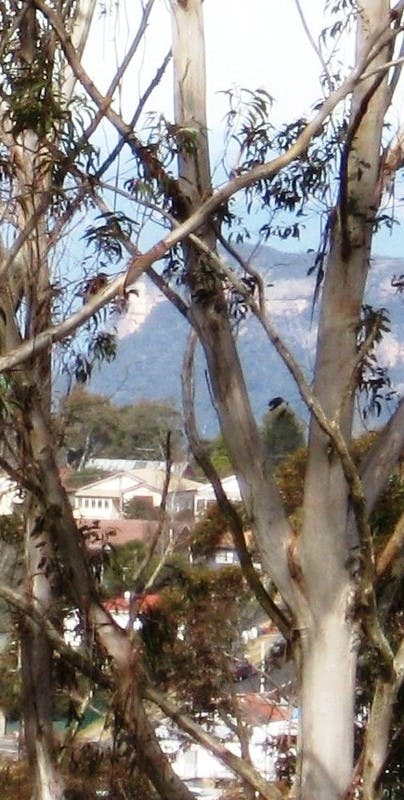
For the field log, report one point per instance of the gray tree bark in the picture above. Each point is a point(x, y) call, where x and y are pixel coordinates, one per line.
point(313, 575)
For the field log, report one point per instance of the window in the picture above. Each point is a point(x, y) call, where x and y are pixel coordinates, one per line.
point(225, 557)
point(99, 503)
point(86, 502)
point(106, 503)
point(93, 502)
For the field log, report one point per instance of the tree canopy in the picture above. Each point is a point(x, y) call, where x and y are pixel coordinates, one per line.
point(92, 426)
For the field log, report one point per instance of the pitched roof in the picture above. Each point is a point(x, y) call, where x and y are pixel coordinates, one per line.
point(98, 488)
point(156, 477)
point(230, 485)
point(152, 479)
point(145, 603)
point(259, 709)
point(125, 464)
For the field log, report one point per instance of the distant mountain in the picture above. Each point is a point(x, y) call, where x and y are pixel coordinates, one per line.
point(149, 359)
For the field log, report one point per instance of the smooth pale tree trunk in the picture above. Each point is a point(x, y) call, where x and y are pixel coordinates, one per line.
point(209, 314)
point(328, 660)
point(314, 578)
point(36, 652)
point(328, 646)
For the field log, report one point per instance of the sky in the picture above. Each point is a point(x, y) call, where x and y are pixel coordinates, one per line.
point(249, 43)
point(254, 44)
point(265, 47)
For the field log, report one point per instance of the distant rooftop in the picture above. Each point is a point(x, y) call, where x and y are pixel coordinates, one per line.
point(128, 464)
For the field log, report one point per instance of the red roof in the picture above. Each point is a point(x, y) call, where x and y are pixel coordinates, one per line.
point(116, 604)
point(117, 531)
point(145, 603)
point(260, 710)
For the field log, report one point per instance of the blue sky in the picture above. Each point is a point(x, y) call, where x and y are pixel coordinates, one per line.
point(259, 44)
point(267, 47)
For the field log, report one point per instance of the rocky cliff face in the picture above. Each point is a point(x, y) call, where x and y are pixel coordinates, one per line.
point(152, 337)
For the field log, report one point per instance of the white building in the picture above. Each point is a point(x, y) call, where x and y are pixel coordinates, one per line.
point(106, 498)
point(205, 496)
point(192, 762)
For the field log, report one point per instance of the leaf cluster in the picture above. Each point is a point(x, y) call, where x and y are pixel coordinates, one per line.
point(208, 532)
point(307, 179)
point(153, 179)
point(10, 677)
point(282, 434)
point(10, 400)
point(107, 237)
point(373, 380)
point(101, 347)
point(34, 104)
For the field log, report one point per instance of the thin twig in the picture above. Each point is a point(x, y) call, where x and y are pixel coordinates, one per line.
point(226, 507)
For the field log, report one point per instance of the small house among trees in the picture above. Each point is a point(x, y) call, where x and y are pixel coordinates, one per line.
point(108, 497)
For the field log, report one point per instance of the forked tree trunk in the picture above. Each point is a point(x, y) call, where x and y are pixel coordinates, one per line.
point(315, 579)
point(328, 647)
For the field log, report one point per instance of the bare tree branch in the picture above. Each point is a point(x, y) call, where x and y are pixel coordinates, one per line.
point(375, 749)
point(391, 551)
point(104, 102)
point(82, 19)
point(228, 510)
point(118, 77)
point(248, 774)
point(383, 456)
point(135, 118)
point(315, 47)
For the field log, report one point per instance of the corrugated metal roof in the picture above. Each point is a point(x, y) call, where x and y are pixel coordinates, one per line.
point(125, 464)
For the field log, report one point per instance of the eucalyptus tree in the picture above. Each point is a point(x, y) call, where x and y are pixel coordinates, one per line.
point(46, 176)
point(328, 581)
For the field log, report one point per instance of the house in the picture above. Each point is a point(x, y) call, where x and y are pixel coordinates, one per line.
point(106, 497)
point(205, 495)
point(124, 610)
point(116, 532)
point(269, 725)
point(121, 608)
point(221, 551)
